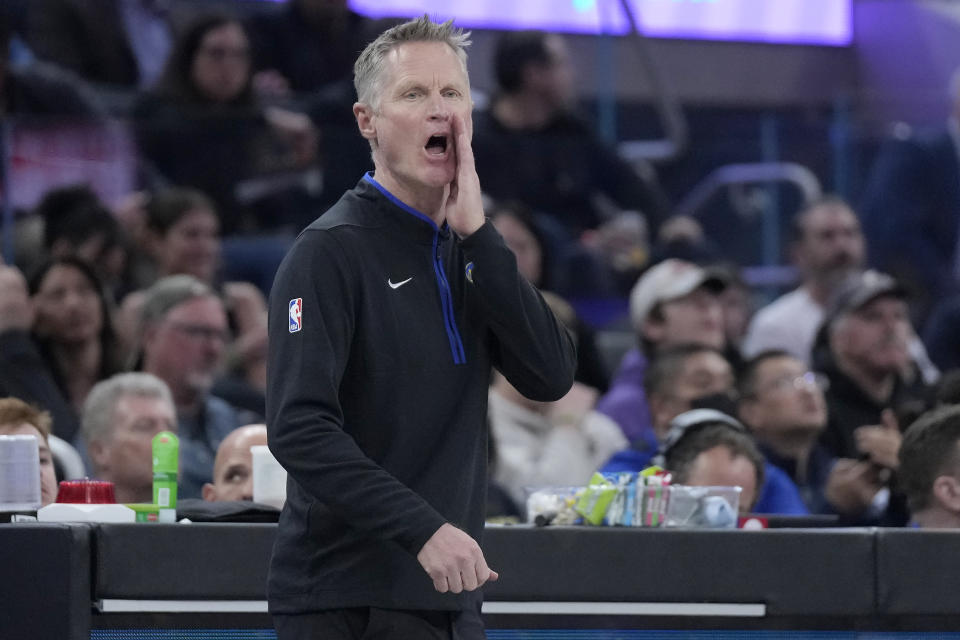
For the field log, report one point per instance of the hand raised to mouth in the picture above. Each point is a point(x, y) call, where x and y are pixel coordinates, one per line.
point(464, 206)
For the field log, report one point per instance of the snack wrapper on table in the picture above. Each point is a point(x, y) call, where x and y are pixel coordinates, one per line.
point(628, 499)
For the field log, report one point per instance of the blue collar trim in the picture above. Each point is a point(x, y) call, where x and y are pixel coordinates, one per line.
point(397, 201)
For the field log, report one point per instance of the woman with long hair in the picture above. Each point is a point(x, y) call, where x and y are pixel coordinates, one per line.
point(72, 326)
point(203, 126)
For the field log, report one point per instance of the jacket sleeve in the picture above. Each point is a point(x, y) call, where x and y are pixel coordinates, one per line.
point(530, 346)
point(304, 416)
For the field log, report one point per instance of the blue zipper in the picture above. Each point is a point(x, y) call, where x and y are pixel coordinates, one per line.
point(450, 320)
point(446, 298)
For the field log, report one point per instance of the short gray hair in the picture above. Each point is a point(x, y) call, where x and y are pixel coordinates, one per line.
point(170, 292)
point(368, 69)
point(97, 420)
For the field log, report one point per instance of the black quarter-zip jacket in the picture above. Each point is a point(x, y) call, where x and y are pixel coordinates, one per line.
point(383, 330)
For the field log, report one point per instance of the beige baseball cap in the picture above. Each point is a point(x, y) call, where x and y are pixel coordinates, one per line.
point(669, 280)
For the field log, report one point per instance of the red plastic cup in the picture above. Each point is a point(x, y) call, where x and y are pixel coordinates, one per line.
point(86, 492)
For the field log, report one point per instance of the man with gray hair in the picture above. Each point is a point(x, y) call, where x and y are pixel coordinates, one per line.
point(121, 416)
point(385, 320)
point(184, 334)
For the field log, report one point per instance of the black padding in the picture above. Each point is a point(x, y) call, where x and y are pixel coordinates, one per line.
point(822, 572)
point(182, 561)
point(918, 572)
point(197, 510)
point(45, 585)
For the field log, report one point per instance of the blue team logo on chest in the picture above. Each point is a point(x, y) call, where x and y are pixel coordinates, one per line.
point(469, 271)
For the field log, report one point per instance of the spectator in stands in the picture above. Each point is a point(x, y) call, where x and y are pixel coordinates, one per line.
point(707, 448)
point(500, 506)
point(233, 466)
point(17, 418)
point(183, 237)
point(123, 43)
point(76, 223)
point(827, 248)
point(673, 303)
point(736, 301)
point(911, 208)
point(24, 373)
point(184, 333)
point(862, 348)
point(303, 54)
point(684, 238)
point(557, 443)
point(184, 233)
point(678, 375)
point(307, 46)
point(689, 377)
point(525, 239)
point(520, 231)
point(531, 147)
point(940, 335)
point(783, 404)
point(930, 469)
point(72, 326)
point(203, 127)
point(615, 255)
point(121, 416)
point(33, 89)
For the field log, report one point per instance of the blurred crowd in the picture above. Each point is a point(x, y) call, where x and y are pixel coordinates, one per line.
point(125, 316)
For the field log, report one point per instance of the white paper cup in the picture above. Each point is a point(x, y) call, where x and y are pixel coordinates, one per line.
point(269, 478)
point(19, 473)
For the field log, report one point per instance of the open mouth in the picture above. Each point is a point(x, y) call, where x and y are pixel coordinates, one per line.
point(436, 145)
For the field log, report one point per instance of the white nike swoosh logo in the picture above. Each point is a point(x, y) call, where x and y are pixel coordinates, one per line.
point(397, 285)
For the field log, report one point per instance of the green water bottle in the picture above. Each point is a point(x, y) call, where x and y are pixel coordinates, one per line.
point(166, 448)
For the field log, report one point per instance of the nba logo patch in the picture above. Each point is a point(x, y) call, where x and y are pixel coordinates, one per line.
point(296, 312)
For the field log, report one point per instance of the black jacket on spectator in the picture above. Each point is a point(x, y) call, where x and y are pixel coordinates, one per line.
point(559, 170)
point(309, 58)
point(215, 149)
point(850, 408)
point(86, 36)
point(24, 374)
point(39, 89)
point(911, 212)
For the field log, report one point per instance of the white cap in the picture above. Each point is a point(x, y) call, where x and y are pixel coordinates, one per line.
point(669, 280)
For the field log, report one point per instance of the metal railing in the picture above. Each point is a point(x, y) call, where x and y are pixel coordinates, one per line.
point(667, 107)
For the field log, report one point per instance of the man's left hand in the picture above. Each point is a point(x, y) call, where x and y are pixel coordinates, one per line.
point(464, 206)
point(881, 442)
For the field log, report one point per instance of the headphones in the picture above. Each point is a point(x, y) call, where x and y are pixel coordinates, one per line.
point(688, 422)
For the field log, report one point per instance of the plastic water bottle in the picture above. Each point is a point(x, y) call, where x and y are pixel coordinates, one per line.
point(166, 449)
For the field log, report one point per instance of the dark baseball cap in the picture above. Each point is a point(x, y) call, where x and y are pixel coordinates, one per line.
point(861, 289)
